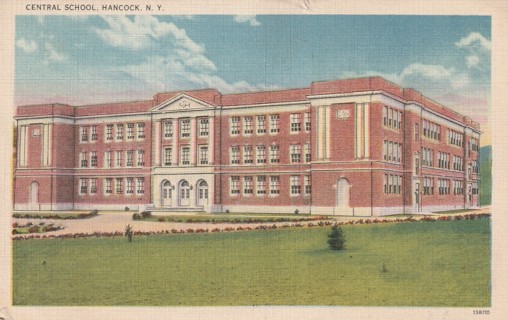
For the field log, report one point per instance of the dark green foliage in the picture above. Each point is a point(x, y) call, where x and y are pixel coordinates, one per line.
point(128, 232)
point(486, 175)
point(336, 238)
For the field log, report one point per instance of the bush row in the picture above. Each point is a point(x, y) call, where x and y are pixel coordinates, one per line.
point(147, 215)
point(56, 216)
point(261, 227)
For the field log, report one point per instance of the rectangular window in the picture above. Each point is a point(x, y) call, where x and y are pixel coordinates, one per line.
point(93, 185)
point(234, 125)
point(130, 131)
point(247, 125)
point(118, 158)
point(385, 116)
point(109, 132)
point(274, 185)
point(84, 134)
point(93, 159)
point(130, 158)
point(295, 152)
point(234, 155)
point(130, 186)
point(307, 121)
point(185, 156)
point(294, 119)
point(247, 185)
point(108, 161)
point(274, 123)
point(185, 128)
point(234, 185)
point(385, 183)
point(274, 154)
point(141, 158)
point(118, 185)
point(168, 129)
point(203, 155)
point(94, 136)
point(295, 187)
point(417, 131)
point(204, 127)
point(83, 186)
point(140, 182)
point(141, 130)
point(261, 124)
point(247, 154)
point(261, 185)
point(119, 131)
point(307, 185)
point(260, 154)
point(108, 189)
point(167, 156)
point(84, 160)
point(306, 152)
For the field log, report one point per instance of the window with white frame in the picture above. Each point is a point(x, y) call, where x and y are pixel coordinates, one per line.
point(307, 121)
point(83, 160)
point(306, 152)
point(417, 131)
point(444, 186)
point(247, 185)
point(118, 185)
point(261, 124)
point(108, 161)
point(274, 154)
point(168, 129)
point(141, 158)
point(247, 155)
point(307, 187)
point(140, 185)
point(295, 187)
point(428, 186)
point(295, 151)
point(141, 130)
point(130, 185)
point(118, 158)
point(204, 127)
point(295, 122)
point(108, 185)
point(167, 154)
point(247, 125)
point(458, 187)
point(83, 185)
point(94, 135)
point(234, 154)
point(274, 185)
point(185, 127)
point(392, 184)
point(392, 118)
point(93, 159)
point(185, 155)
point(130, 158)
point(130, 131)
point(260, 154)
point(119, 131)
point(274, 123)
point(234, 185)
point(234, 126)
point(457, 163)
point(261, 185)
point(427, 157)
point(109, 132)
point(93, 185)
point(203, 155)
point(84, 134)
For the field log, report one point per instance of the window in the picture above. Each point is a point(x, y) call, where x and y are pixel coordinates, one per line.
point(234, 125)
point(84, 134)
point(392, 184)
point(444, 186)
point(118, 158)
point(274, 154)
point(94, 133)
point(83, 186)
point(130, 186)
point(307, 121)
point(185, 156)
point(261, 124)
point(141, 130)
point(108, 185)
point(457, 163)
point(417, 166)
point(119, 131)
point(84, 160)
point(294, 120)
point(392, 118)
point(234, 185)
point(140, 189)
point(168, 129)
point(109, 132)
point(130, 131)
point(392, 151)
point(185, 128)
point(274, 123)
point(130, 158)
point(428, 186)
point(203, 155)
point(385, 116)
point(444, 160)
point(247, 154)
point(234, 155)
point(295, 152)
point(118, 186)
point(93, 185)
point(141, 158)
point(261, 154)
point(167, 156)
point(307, 188)
point(247, 185)
point(458, 187)
point(204, 127)
point(261, 185)
point(247, 125)
point(306, 152)
point(427, 157)
point(108, 161)
point(431, 130)
point(295, 187)
point(93, 159)
point(417, 131)
point(274, 185)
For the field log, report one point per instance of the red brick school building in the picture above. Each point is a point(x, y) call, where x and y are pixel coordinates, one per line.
point(363, 147)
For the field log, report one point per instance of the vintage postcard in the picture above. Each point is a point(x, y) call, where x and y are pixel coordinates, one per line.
point(288, 159)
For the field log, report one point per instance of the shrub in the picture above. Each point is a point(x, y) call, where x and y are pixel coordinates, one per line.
point(136, 216)
point(336, 238)
point(94, 212)
point(126, 209)
point(146, 214)
point(161, 219)
point(129, 232)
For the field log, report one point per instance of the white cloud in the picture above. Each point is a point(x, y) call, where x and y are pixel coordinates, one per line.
point(472, 61)
point(53, 54)
point(474, 39)
point(40, 20)
point(250, 19)
point(479, 51)
point(28, 46)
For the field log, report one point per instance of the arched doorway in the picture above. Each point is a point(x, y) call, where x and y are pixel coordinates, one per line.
point(184, 193)
point(343, 197)
point(202, 193)
point(166, 193)
point(33, 196)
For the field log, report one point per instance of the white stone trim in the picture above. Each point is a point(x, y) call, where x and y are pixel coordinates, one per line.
point(265, 109)
point(168, 104)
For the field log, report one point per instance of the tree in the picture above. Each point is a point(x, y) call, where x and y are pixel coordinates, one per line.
point(336, 238)
point(128, 232)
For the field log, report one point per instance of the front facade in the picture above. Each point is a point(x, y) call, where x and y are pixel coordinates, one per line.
point(362, 147)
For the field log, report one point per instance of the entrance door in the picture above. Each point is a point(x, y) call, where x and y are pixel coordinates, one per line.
point(184, 193)
point(202, 193)
point(34, 196)
point(166, 194)
point(343, 190)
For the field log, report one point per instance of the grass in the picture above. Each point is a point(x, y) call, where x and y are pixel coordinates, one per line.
point(223, 218)
point(442, 263)
point(31, 228)
point(58, 216)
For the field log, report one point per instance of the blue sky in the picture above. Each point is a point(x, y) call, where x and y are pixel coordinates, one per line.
point(93, 59)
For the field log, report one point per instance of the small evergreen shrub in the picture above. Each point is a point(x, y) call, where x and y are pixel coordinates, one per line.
point(136, 216)
point(129, 232)
point(146, 214)
point(336, 238)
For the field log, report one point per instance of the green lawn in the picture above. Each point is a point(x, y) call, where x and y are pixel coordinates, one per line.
point(425, 264)
point(232, 218)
